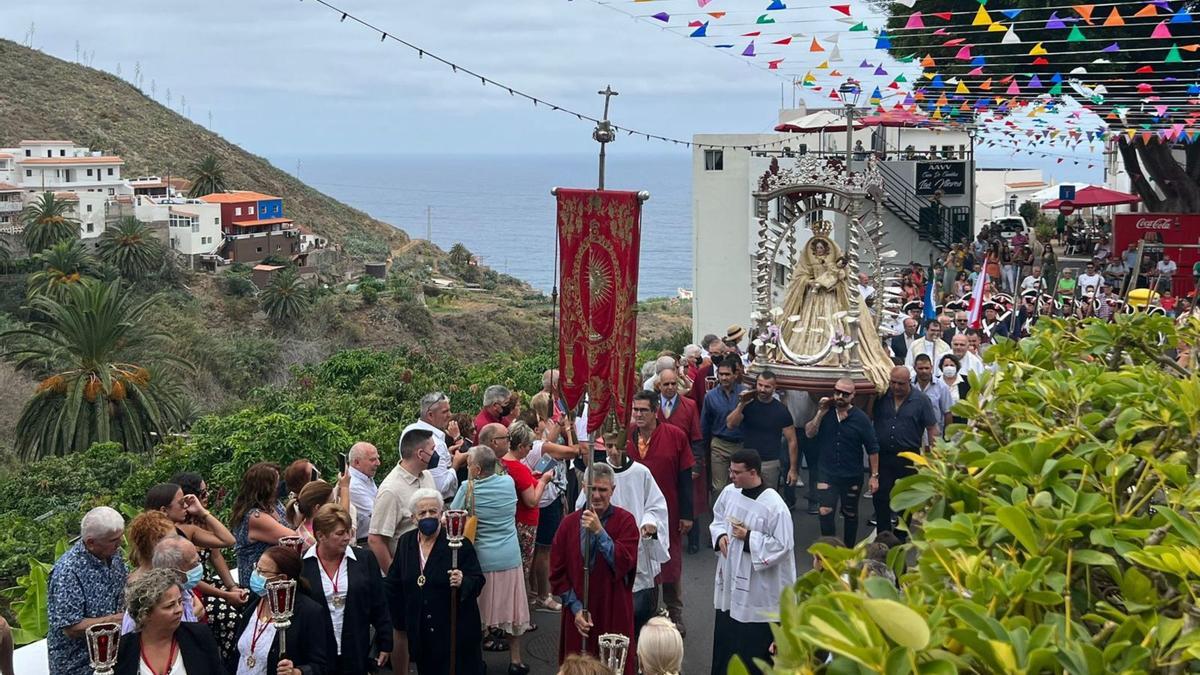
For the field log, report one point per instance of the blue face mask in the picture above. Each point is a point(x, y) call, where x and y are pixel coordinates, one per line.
point(258, 584)
point(427, 526)
point(194, 576)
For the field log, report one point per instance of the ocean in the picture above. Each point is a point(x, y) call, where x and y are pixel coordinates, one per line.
point(500, 207)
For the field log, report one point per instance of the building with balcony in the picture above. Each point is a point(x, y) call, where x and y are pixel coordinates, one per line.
point(926, 177)
point(10, 209)
point(255, 228)
point(193, 226)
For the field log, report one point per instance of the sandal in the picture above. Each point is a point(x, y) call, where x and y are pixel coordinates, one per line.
point(495, 644)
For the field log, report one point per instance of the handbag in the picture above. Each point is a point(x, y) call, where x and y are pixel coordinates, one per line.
point(472, 519)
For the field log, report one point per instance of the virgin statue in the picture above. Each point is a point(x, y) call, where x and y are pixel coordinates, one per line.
point(816, 309)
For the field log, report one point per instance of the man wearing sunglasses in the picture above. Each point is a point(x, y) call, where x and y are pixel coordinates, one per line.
point(841, 438)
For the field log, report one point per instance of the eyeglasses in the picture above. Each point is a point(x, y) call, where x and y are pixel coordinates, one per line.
point(641, 411)
point(839, 393)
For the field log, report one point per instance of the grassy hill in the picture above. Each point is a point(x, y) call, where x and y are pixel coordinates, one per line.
point(45, 97)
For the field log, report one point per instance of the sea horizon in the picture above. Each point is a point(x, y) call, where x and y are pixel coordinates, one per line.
point(499, 206)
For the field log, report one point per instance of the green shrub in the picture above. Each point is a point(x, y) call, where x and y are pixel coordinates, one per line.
point(370, 295)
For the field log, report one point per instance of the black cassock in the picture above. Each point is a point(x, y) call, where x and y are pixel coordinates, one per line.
point(423, 611)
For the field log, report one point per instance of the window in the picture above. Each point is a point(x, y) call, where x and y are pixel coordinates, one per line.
point(258, 249)
point(89, 172)
point(237, 211)
point(714, 160)
point(49, 153)
point(250, 210)
point(195, 226)
point(110, 172)
point(62, 153)
point(28, 173)
point(89, 208)
point(216, 221)
point(112, 191)
point(89, 227)
point(28, 152)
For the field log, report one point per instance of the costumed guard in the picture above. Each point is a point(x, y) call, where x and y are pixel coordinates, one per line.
point(613, 550)
point(635, 491)
point(752, 532)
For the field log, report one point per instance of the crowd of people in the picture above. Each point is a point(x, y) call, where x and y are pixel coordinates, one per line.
point(379, 583)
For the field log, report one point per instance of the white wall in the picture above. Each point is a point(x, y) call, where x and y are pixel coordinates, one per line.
point(204, 238)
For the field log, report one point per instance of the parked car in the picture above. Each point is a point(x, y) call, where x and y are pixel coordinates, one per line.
point(1008, 226)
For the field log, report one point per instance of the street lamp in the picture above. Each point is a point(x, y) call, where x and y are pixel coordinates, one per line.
point(849, 93)
point(972, 132)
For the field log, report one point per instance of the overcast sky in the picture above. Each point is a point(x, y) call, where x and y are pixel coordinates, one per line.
point(283, 77)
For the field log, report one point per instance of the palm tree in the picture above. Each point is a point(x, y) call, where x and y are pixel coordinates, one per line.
point(62, 265)
point(207, 176)
point(47, 222)
point(131, 247)
point(106, 375)
point(285, 297)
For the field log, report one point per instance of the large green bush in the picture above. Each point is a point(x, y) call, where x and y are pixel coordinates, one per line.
point(1054, 533)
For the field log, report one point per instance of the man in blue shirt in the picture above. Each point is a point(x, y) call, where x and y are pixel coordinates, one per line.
point(718, 437)
point(841, 439)
point(87, 587)
point(903, 420)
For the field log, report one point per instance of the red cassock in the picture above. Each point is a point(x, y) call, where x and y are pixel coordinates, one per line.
point(699, 377)
point(686, 416)
point(610, 588)
point(667, 454)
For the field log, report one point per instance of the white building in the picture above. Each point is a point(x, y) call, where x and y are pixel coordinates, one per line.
point(1000, 192)
point(193, 226)
point(724, 229)
point(10, 208)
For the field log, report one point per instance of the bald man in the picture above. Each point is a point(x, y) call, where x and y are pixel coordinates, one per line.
point(902, 418)
point(363, 463)
point(840, 439)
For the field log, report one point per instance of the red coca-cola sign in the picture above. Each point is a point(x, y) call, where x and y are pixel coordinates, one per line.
point(1156, 223)
point(1160, 231)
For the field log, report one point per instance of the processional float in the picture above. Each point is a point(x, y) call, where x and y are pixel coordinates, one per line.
point(811, 323)
point(599, 240)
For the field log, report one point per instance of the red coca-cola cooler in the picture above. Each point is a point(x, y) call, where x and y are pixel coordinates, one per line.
point(1164, 229)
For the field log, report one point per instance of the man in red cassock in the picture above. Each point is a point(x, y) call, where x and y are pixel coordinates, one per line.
point(666, 451)
point(682, 411)
point(613, 553)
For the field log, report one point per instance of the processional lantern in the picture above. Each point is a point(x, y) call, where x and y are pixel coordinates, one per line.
point(614, 649)
point(102, 642)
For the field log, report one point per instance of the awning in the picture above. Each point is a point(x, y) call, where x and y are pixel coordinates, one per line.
point(1093, 195)
point(820, 120)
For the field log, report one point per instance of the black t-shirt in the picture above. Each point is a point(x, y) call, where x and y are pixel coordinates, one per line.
point(841, 444)
point(762, 427)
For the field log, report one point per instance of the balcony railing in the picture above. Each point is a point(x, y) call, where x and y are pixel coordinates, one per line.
point(11, 207)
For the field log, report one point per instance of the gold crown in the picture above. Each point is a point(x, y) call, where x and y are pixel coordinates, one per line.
point(822, 228)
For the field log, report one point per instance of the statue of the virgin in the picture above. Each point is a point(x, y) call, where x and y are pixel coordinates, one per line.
point(816, 311)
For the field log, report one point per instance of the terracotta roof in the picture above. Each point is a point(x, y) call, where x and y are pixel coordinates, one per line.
point(1026, 184)
point(257, 223)
point(70, 160)
point(267, 268)
point(236, 197)
point(46, 143)
point(66, 196)
point(5, 155)
point(5, 187)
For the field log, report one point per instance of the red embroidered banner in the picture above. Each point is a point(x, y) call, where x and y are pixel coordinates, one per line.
point(599, 237)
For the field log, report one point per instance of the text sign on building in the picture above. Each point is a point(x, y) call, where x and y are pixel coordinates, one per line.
point(1066, 193)
point(949, 177)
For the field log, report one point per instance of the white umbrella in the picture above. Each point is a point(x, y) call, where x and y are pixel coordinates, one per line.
point(819, 120)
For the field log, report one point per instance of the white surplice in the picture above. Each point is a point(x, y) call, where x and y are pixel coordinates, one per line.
point(636, 492)
point(749, 583)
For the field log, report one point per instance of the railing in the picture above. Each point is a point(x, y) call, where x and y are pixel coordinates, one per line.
point(932, 221)
point(11, 207)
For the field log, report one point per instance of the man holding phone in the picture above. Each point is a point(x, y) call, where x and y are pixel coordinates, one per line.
point(718, 403)
point(763, 421)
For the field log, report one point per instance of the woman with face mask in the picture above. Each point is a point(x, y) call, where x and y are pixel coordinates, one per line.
point(347, 579)
point(949, 367)
point(419, 592)
point(163, 642)
point(311, 649)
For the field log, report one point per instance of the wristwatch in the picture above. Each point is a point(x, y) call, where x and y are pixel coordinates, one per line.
point(874, 475)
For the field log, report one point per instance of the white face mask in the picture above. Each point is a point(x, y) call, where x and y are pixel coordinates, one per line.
point(949, 371)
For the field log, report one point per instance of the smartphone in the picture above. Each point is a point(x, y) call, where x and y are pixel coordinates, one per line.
point(342, 461)
point(547, 463)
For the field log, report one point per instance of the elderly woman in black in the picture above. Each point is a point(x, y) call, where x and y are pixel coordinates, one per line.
point(419, 585)
point(348, 581)
point(163, 643)
point(310, 644)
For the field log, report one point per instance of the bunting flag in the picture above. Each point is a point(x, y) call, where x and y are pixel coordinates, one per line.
point(599, 235)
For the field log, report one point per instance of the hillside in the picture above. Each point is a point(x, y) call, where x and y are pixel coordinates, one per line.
point(45, 97)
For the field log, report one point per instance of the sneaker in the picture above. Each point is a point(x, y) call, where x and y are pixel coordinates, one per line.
point(868, 494)
point(872, 522)
point(547, 604)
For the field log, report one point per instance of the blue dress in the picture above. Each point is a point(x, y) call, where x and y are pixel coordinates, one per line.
point(248, 552)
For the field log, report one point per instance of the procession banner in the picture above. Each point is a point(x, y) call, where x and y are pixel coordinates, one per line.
point(599, 236)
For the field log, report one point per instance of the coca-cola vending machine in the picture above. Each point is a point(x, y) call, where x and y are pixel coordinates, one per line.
point(1164, 229)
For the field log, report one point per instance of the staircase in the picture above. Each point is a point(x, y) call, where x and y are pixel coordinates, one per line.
point(933, 222)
